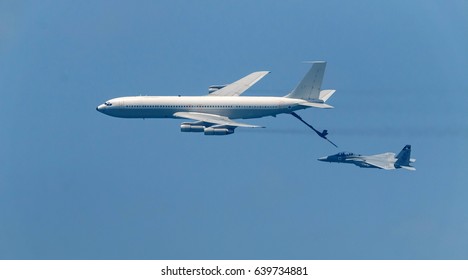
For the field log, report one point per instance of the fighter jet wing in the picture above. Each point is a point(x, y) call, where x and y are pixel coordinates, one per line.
point(239, 86)
point(214, 119)
point(379, 163)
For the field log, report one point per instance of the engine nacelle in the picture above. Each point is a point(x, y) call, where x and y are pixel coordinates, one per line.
point(214, 88)
point(218, 131)
point(185, 127)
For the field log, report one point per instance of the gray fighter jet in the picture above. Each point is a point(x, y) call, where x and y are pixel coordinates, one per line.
point(385, 161)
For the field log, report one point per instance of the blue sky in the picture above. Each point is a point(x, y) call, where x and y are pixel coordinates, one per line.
point(76, 184)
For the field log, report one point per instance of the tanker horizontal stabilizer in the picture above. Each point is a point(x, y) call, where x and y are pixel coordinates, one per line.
point(316, 105)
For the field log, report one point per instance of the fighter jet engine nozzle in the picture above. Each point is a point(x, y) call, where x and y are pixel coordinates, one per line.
point(191, 128)
point(218, 131)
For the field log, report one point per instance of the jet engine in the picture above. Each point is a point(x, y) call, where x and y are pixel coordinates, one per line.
point(214, 88)
point(218, 131)
point(187, 127)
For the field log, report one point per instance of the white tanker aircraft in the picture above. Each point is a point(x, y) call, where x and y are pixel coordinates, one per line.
point(214, 114)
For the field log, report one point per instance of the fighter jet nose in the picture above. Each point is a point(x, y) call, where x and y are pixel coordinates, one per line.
point(323, 158)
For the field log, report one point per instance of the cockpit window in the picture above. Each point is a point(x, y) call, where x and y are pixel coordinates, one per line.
point(108, 103)
point(345, 154)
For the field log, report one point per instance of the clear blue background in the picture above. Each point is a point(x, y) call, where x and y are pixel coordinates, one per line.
point(76, 184)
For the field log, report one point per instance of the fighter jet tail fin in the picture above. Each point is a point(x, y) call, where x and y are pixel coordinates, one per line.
point(404, 159)
point(309, 88)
